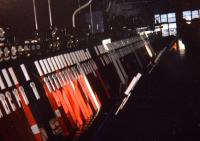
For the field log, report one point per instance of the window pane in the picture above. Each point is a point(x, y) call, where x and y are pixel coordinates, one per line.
point(163, 18)
point(165, 31)
point(172, 29)
point(195, 14)
point(157, 19)
point(187, 15)
point(171, 17)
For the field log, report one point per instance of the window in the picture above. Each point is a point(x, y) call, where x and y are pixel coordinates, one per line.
point(187, 15)
point(171, 17)
point(172, 29)
point(164, 18)
point(168, 21)
point(157, 19)
point(195, 14)
point(165, 30)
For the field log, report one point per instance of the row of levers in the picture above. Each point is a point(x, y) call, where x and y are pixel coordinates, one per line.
point(68, 69)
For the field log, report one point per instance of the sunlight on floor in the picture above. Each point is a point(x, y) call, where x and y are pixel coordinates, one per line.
point(182, 49)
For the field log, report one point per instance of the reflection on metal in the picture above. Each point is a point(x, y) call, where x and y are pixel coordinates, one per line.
point(149, 51)
point(179, 47)
point(159, 55)
point(188, 22)
point(105, 42)
point(128, 91)
point(174, 47)
point(147, 45)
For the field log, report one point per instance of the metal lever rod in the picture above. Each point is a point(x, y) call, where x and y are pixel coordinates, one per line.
point(128, 91)
point(50, 13)
point(35, 15)
point(91, 19)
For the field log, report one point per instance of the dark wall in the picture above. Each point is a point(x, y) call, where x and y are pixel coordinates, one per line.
point(163, 6)
point(18, 14)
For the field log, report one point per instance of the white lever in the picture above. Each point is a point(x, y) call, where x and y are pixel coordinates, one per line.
point(47, 84)
point(97, 52)
point(43, 67)
point(71, 57)
point(2, 85)
point(35, 91)
point(5, 104)
point(51, 65)
point(10, 100)
point(133, 84)
point(24, 70)
point(60, 61)
point(88, 53)
point(1, 114)
point(47, 66)
point(13, 76)
point(82, 55)
point(16, 94)
point(7, 78)
point(67, 60)
point(22, 92)
point(57, 62)
point(63, 60)
point(54, 63)
point(56, 79)
point(38, 68)
point(92, 93)
point(77, 56)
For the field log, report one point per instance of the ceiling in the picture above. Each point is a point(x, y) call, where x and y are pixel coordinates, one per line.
point(18, 14)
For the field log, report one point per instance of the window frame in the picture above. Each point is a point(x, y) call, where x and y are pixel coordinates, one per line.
point(167, 22)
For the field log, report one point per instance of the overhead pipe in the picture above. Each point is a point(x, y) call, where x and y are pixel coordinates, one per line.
point(79, 9)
